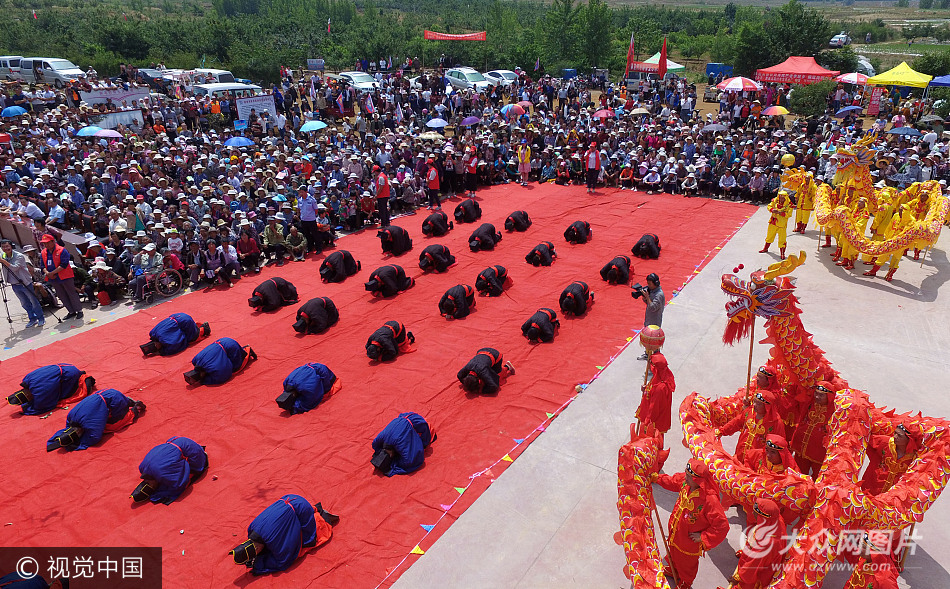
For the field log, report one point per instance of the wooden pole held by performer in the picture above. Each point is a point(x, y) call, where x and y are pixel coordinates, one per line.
point(669, 557)
point(748, 374)
point(906, 549)
point(924, 257)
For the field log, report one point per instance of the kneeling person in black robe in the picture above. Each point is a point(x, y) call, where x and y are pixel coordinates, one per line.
point(389, 280)
point(437, 224)
point(543, 254)
point(483, 373)
point(517, 221)
point(395, 240)
point(468, 211)
point(272, 294)
point(457, 301)
point(617, 271)
point(541, 326)
point(389, 341)
point(578, 232)
point(484, 238)
point(648, 247)
point(316, 315)
point(436, 257)
point(493, 281)
point(338, 266)
point(575, 298)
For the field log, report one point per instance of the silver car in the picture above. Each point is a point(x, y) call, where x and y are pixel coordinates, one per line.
point(465, 78)
point(503, 78)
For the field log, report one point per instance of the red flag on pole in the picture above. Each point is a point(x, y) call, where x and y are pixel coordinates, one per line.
point(328, 25)
point(34, 15)
point(630, 56)
point(662, 64)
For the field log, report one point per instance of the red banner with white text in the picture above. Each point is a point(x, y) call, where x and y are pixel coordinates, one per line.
point(433, 36)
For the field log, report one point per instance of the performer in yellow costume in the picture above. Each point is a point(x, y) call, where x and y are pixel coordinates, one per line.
point(806, 204)
point(901, 219)
point(861, 218)
point(781, 209)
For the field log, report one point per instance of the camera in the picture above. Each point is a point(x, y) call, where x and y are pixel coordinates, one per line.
point(638, 290)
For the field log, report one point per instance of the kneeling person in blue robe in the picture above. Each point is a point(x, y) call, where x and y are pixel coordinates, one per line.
point(47, 387)
point(102, 412)
point(279, 534)
point(218, 361)
point(173, 334)
point(400, 447)
point(306, 386)
point(168, 469)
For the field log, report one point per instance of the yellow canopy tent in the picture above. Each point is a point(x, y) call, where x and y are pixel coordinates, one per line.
point(901, 75)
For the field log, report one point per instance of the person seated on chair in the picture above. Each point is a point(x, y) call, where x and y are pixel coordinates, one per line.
point(617, 271)
point(316, 315)
point(102, 412)
point(104, 280)
point(306, 386)
point(173, 334)
point(338, 266)
point(575, 298)
point(579, 232)
point(648, 247)
point(281, 532)
point(517, 221)
point(218, 361)
point(48, 387)
point(482, 374)
point(457, 301)
point(389, 280)
point(400, 447)
point(484, 238)
point(272, 294)
point(395, 240)
point(493, 281)
point(543, 254)
point(389, 341)
point(145, 266)
point(170, 468)
point(541, 326)
point(468, 211)
point(436, 257)
point(437, 224)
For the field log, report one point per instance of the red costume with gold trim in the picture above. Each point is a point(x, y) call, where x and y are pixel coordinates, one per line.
point(762, 555)
point(753, 429)
point(656, 405)
point(885, 467)
point(810, 440)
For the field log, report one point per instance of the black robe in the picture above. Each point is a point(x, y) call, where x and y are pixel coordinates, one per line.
point(316, 315)
point(517, 221)
point(388, 341)
point(388, 280)
point(437, 224)
point(543, 322)
point(578, 232)
point(484, 238)
point(492, 281)
point(338, 266)
point(468, 211)
point(648, 247)
point(617, 271)
point(436, 257)
point(486, 366)
point(543, 254)
point(272, 294)
point(457, 301)
point(395, 240)
point(574, 298)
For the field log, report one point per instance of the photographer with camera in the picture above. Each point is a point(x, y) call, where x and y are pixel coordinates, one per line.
point(653, 297)
point(16, 273)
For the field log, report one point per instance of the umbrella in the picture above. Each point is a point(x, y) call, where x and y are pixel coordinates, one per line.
point(238, 142)
point(853, 78)
point(605, 113)
point(773, 111)
point(437, 123)
point(12, 111)
point(847, 110)
point(108, 133)
point(930, 119)
point(525, 104)
point(715, 127)
point(739, 84)
point(431, 136)
point(512, 110)
point(88, 131)
point(906, 131)
point(313, 126)
point(639, 111)
point(470, 121)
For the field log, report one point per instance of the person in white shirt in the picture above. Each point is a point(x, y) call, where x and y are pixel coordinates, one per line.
point(651, 182)
point(727, 185)
point(690, 186)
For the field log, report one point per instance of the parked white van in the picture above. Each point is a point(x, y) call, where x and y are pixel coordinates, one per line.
point(220, 76)
point(49, 70)
point(10, 67)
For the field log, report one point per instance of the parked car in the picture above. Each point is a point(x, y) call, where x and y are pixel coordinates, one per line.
point(503, 78)
point(711, 94)
point(157, 80)
point(220, 76)
point(220, 89)
point(360, 80)
point(465, 78)
point(49, 70)
point(840, 40)
point(10, 67)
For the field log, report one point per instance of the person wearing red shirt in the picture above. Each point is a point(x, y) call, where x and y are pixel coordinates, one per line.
point(592, 167)
point(432, 185)
point(763, 551)
point(810, 440)
point(755, 423)
point(889, 458)
point(382, 196)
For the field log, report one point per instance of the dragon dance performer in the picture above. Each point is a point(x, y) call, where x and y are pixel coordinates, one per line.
point(901, 220)
point(656, 403)
point(400, 447)
point(875, 569)
point(848, 253)
point(805, 205)
point(774, 460)
point(102, 412)
point(882, 216)
point(918, 208)
point(889, 458)
point(170, 468)
point(758, 565)
point(698, 523)
point(756, 422)
point(810, 440)
point(280, 533)
point(780, 209)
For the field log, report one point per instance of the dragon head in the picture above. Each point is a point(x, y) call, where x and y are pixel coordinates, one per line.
point(766, 294)
point(859, 155)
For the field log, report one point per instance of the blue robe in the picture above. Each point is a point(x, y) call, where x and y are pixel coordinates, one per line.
point(219, 359)
point(174, 333)
point(17, 581)
point(311, 381)
point(172, 465)
point(409, 436)
point(49, 385)
point(93, 413)
point(285, 528)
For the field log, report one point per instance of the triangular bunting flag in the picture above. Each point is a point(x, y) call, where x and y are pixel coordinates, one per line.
point(445, 506)
point(426, 527)
point(490, 473)
point(417, 550)
point(540, 428)
point(599, 367)
point(460, 490)
point(550, 415)
point(629, 339)
point(507, 458)
point(518, 440)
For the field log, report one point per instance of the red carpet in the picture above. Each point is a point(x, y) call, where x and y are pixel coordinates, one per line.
point(81, 498)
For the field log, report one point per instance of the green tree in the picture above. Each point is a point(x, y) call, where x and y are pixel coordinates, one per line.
point(561, 30)
point(596, 27)
point(926, 4)
point(750, 51)
point(811, 100)
point(934, 63)
point(844, 60)
point(903, 3)
point(126, 39)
